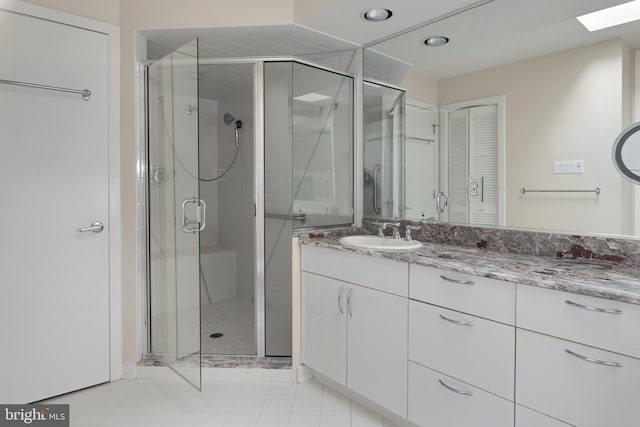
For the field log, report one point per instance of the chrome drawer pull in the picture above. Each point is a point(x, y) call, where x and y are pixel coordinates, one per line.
point(592, 360)
point(596, 309)
point(455, 390)
point(457, 322)
point(460, 282)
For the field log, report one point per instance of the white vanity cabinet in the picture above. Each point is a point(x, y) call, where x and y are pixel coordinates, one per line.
point(461, 349)
point(442, 348)
point(438, 400)
point(526, 417)
point(569, 361)
point(324, 323)
point(354, 323)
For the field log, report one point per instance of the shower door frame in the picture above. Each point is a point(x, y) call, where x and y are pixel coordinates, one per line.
point(144, 345)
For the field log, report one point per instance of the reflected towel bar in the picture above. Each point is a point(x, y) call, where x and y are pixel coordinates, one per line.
point(295, 217)
point(86, 93)
point(524, 191)
point(415, 138)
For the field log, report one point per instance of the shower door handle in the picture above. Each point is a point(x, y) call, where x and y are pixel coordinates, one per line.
point(194, 225)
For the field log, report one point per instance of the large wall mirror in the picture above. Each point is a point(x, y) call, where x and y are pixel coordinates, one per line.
point(507, 119)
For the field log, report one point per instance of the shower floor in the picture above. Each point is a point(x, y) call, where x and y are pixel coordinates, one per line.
point(235, 320)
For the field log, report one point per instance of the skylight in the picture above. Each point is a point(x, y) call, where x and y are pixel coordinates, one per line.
point(612, 16)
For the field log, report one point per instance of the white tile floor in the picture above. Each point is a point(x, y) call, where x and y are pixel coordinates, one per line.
point(220, 404)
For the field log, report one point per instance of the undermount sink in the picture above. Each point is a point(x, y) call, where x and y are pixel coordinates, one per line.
point(375, 242)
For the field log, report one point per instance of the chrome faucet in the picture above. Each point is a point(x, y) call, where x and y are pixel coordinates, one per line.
point(395, 226)
point(408, 229)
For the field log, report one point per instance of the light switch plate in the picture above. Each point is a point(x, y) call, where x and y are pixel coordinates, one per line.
point(568, 166)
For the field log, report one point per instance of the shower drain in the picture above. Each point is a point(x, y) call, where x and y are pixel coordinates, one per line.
point(216, 335)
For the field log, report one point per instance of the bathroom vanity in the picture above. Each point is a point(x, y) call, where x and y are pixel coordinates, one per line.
point(453, 336)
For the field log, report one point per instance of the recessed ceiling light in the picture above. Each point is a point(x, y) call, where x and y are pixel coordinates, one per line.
point(435, 41)
point(377, 15)
point(312, 97)
point(612, 16)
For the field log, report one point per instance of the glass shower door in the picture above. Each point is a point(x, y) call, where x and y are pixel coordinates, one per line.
point(176, 211)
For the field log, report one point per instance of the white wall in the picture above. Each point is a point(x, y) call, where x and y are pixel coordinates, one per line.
point(100, 10)
point(565, 106)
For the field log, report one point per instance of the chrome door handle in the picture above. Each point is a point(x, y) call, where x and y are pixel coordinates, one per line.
point(596, 309)
point(457, 322)
point(441, 196)
point(349, 295)
point(455, 390)
point(592, 360)
point(96, 227)
point(460, 282)
point(340, 292)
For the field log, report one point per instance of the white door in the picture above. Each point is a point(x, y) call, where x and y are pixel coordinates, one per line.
point(421, 161)
point(54, 309)
point(473, 164)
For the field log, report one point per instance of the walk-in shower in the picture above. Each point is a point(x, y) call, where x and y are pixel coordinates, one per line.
point(241, 154)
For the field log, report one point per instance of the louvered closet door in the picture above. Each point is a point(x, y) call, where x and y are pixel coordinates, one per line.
point(483, 165)
point(458, 164)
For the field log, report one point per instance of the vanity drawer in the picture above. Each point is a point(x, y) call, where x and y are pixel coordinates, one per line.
point(575, 390)
point(475, 350)
point(593, 321)
point(480, 296)
point(370, 271)
point(525, 417)
point(442, 401)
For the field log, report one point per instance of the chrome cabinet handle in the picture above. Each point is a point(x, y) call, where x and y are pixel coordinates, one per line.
point(457, 322)
point(455, 390)
point(96, 227)
point(460, 282)
point(349, 295)
point(596, 309)
point(592, 360)
point(340, 292)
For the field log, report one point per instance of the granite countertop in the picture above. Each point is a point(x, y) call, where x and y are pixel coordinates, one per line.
point(595, 278)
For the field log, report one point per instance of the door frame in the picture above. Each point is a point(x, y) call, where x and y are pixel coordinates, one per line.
point(115, 225)
point(499, 101)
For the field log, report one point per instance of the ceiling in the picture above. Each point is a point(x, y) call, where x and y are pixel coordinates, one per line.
point(483, 34)
point(500, 32)
point(343, 18)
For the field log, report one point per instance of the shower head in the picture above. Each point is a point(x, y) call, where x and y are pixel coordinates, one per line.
point(228, 119)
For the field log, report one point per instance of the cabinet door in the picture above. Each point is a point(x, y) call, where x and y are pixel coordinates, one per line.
point(324, 326)
point(377, 349)
point(436, 400)
point(580, 385)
